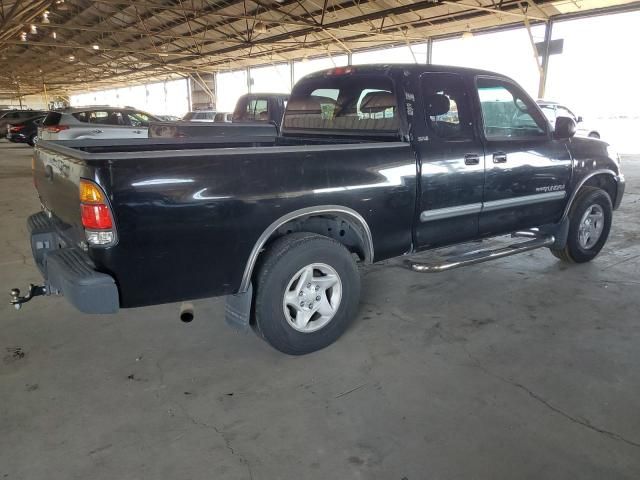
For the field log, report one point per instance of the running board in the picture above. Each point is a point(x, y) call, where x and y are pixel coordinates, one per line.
point(480, 256)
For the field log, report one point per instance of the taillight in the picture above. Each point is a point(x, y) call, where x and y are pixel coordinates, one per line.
point(56, 128)
point(96, 214)
point(16, 128)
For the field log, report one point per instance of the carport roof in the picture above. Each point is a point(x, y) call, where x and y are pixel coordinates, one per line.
point(77, 45)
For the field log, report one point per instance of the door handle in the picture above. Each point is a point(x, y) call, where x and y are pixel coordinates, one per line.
point(499, 157)
point(137, 131)
point(97, 130)
point(471, 159)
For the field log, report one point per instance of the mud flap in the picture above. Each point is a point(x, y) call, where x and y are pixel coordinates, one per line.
point(237, 310)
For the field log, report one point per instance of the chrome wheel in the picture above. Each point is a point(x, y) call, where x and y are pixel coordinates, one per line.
point(591, 226)
point(312, 297)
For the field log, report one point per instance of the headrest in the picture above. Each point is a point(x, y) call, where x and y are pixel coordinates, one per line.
point(437, 104)
point(375, 102)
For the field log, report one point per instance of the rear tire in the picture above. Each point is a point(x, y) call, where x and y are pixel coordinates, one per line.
point(594, 135)
point(589, 225)
point(307, 293)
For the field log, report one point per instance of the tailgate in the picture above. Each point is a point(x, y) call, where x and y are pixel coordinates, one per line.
point(56, 177)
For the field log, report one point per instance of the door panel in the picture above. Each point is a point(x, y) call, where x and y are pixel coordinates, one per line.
point(452, 163)
point(527, 171)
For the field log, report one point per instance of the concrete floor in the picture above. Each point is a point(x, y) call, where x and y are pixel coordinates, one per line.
point(520, 369)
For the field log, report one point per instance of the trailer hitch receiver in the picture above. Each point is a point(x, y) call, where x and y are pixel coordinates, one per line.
point(34, 291)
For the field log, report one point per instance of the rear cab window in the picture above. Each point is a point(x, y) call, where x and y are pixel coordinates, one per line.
point(252, 109)
point(344, 104)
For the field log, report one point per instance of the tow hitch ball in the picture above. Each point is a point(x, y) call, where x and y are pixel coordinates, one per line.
point(34, 291)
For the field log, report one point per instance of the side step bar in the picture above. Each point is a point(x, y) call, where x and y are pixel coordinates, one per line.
point(480, 256)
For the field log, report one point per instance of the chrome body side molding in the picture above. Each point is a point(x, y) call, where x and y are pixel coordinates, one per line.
point(523, 200)
point(357, 219)
point(471, 208)
point(440, 213)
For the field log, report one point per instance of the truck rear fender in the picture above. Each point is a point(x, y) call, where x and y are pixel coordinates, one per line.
point(340, 223)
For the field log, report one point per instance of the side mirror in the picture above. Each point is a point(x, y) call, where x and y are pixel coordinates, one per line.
point(565, 128)
point(579, 119)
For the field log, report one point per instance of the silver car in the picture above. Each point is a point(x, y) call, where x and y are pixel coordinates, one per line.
point(552, 110)
point(200, 116)
point(95, 122)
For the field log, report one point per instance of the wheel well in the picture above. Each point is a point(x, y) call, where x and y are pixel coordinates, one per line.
point(604, 182)
point(333, 225)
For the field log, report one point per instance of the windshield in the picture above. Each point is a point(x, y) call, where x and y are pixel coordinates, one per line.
point(343, 103)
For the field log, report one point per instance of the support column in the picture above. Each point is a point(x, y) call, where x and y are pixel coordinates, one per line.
point(292, 77)
point(349, 58)
point(429, 51)
point(545, 59)
point(248, 79)
point(202, 87)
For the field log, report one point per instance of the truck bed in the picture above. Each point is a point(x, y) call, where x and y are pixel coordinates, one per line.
point(195, 208)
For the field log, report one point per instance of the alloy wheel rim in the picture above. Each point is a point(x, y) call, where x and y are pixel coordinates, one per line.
point(591, 226)
point(312, 297)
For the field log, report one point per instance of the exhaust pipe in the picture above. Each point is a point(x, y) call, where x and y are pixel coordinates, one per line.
point(186, 312)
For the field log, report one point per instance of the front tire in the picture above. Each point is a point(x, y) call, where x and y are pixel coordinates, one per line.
point(589, 225)
point(308, 290)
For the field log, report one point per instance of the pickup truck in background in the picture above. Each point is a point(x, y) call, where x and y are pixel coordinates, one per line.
point(373, 162)
point(256, 114)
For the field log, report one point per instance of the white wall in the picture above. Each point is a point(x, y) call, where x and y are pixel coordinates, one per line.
point(163, 98)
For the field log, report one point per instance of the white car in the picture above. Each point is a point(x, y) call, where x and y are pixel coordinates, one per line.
point(200, 116)
point(95, 122)
point(552, 110)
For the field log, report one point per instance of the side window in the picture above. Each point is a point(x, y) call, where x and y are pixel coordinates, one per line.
point(507, 112)
point(138, 119)
point(447, 110)
point(100, 117)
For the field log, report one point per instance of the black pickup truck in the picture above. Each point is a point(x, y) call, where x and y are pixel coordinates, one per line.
point(373, 162)
point(255, 114)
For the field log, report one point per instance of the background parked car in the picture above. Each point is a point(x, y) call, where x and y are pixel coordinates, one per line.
point(261, 107)
point(16, 116)
point(95, 122)
point(169, 118)
point(552, 110)
point(200, 116)
point(25, 131)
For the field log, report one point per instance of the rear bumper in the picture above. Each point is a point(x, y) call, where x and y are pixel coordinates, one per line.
point(68, 271)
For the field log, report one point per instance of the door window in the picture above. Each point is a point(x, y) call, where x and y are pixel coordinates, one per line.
point(507, 112)
point(447, 106)
point(138, 119)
